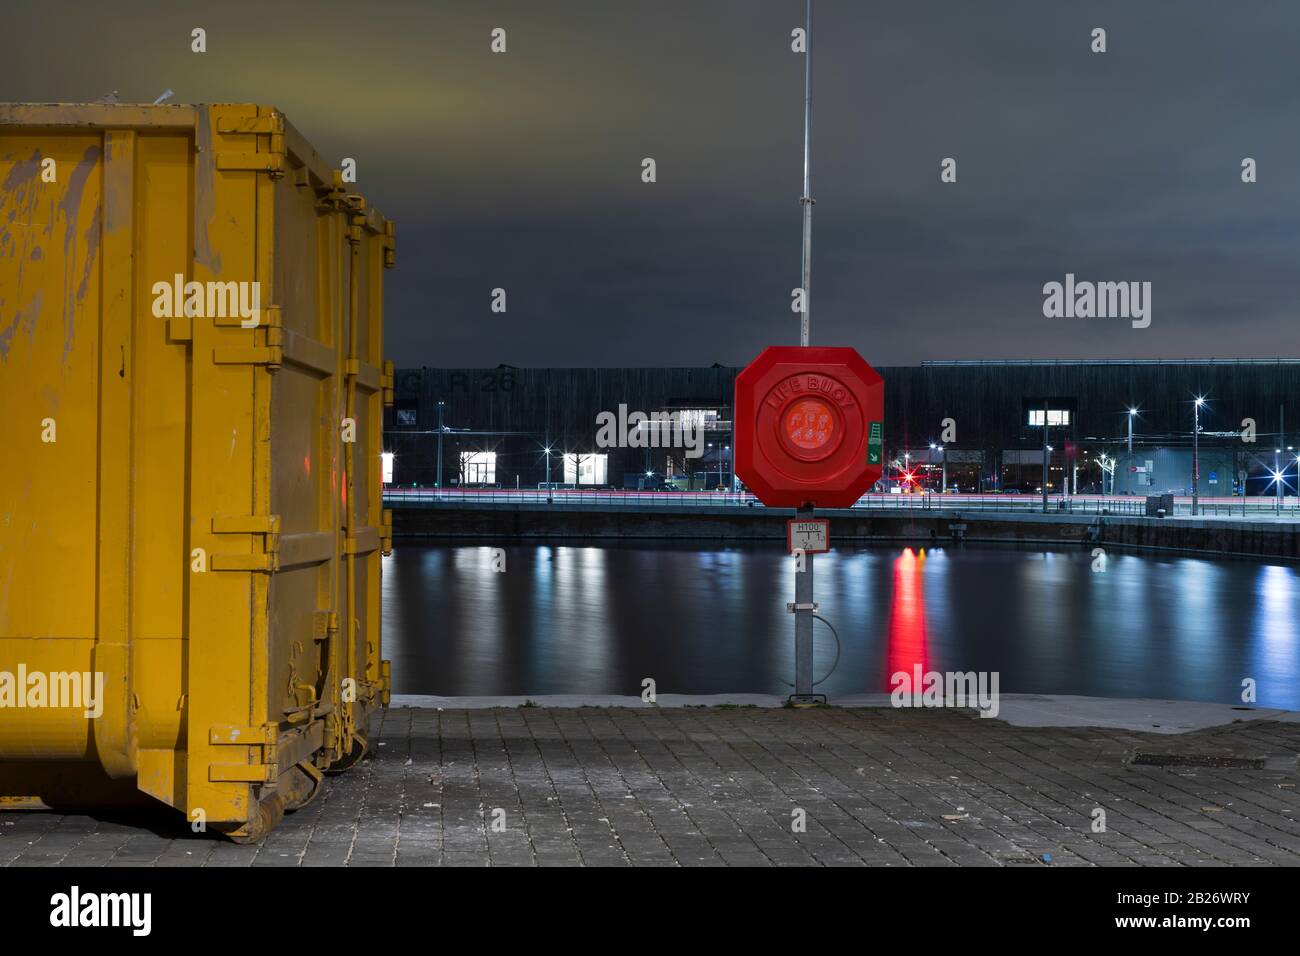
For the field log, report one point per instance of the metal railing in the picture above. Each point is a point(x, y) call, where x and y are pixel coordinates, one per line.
point(593, 497)
point(1125, 505)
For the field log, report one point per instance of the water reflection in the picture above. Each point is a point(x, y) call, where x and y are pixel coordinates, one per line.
point(907, 638)
point(575, 618)
point(1274, 656)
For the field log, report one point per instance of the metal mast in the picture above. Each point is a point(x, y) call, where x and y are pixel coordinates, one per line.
point(805, 319)
point(804, 606)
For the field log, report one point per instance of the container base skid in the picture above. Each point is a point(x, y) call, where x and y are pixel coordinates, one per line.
point(86, 788)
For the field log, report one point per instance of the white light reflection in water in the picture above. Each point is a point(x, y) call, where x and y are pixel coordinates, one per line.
point(1126, 639)
point(856, 592)
point(1191, 649)
point(779, 585)
point(480, 628)
point(579, 639)
point(1047, 579)
point(724, 577)
point(944, 645)
point(842, 588)
point(1274, 654)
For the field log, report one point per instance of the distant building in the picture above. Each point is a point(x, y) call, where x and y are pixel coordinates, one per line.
point(499, 422)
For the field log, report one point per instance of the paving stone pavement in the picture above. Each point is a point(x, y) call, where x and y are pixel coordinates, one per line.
point(726, 786)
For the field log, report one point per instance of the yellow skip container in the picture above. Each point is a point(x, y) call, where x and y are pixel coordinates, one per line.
point(191, 415)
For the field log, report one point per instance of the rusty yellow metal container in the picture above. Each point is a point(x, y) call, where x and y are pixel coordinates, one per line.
point(191, 401)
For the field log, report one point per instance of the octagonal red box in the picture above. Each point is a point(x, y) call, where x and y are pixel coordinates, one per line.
point(809, 426)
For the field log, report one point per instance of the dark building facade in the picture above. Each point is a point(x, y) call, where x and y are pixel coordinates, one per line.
point(985, 419)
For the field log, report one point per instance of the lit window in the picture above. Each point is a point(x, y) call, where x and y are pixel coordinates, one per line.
point(586, 469)
point(1055, 416)
point(699, 417)
point(478, 467)
point(387, 459)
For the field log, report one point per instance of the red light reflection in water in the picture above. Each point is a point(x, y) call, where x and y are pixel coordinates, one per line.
point(907, 637)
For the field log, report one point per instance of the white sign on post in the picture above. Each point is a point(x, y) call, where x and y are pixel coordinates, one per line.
point(811, 536)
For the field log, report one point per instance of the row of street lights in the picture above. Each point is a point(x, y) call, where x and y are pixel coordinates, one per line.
point(1278, 480)
point(1196, 453)
point(1107, 464)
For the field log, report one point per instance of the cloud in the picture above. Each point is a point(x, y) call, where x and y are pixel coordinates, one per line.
point(522, 170)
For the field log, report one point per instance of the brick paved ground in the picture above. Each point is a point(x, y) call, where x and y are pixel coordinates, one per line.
point(718, 786)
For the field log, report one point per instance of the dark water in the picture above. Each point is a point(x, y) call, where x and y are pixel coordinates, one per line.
point(582, 619)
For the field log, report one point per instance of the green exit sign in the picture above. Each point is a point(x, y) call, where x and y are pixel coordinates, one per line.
point(876, 443)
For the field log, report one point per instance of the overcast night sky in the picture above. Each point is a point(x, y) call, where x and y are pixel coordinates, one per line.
point(522, 170)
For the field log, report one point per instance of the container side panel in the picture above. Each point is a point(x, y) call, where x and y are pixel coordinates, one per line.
point(374, 464)
point(117, 394)
point(305, 428)
point(49, 358)
point(334, 253)
point(367, 464)
point(159, 476)
point(50, 297)
point(221, 665)
point(161, 407)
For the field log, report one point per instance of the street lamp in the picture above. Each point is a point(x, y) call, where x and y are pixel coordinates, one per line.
point(437, 481)
point(1277, 481)
point(1196, 455)
point(943, 488)
point(1128, 482)
point(548, 474)
point(1047, 457)
point(1046, 452)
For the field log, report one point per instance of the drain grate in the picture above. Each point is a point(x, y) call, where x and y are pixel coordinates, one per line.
point(1197, 760)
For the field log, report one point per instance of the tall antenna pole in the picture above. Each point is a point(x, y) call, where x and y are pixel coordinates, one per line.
point(805, 319)
point(804, 606)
